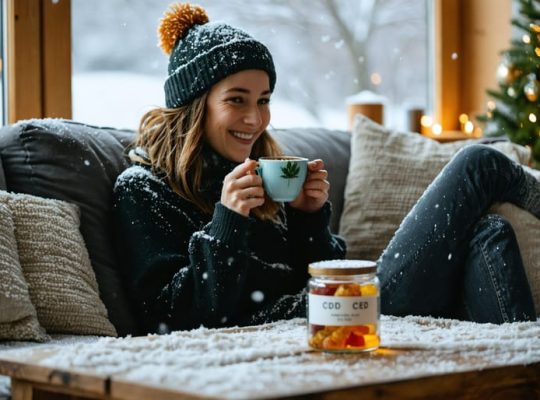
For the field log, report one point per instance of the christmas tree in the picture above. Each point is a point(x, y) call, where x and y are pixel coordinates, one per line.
point(516, 109)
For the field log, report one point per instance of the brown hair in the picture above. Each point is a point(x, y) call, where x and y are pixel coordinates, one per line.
point(173, 139)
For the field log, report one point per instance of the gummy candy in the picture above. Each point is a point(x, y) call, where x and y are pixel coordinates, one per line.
point(344, 338)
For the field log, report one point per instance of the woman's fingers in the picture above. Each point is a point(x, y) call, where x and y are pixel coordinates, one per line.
point(318, 175)
point(248, 181)
point(243, 169)
point(315, 165)
point(242, 188)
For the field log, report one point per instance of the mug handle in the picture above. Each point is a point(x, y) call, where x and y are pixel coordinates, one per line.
point(258, 170)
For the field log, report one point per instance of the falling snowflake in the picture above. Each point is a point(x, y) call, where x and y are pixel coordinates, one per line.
point(257, 296)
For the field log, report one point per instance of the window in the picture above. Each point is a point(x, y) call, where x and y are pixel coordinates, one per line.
point(324, 50)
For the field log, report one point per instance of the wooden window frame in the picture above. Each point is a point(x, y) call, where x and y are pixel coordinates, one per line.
point(468, 34)
point(39, 59)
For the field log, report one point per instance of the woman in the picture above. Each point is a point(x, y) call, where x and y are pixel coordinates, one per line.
point(199, 240)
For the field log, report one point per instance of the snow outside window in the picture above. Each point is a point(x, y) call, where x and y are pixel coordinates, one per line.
point(325, 51)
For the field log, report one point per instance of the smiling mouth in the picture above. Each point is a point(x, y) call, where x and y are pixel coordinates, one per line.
point(242, 135)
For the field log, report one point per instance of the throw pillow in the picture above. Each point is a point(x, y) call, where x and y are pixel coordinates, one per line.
point(18, 320)
point(388, 173)
point(56, 265)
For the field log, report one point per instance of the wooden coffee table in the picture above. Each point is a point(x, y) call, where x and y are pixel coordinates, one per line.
point(32, 381)
point(238, 363)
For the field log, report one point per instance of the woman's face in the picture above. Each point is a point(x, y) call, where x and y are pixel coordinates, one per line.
point(237, 112)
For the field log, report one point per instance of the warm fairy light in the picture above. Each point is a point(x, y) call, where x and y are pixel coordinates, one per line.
point(454, 56)
point(426, 121)
point(468, 128)
point(535, 28)
point(433, 128)
point(526, 39)
point(537, 51)
point(491, 105)
point(436, 129)
point(532, 117)
point(376, 78)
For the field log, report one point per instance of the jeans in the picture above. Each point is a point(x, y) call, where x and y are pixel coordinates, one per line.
point(448, 258)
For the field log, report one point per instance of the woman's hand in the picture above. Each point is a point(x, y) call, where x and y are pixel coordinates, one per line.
point(242, 189)
point(315, 190)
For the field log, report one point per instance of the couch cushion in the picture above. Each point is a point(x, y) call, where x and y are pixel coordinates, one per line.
point(18, 318)
point(389, 171)
point(2, 177)
point(333, 147)
point(79, 164)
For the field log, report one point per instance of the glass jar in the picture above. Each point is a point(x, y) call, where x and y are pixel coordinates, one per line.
point(343, 306)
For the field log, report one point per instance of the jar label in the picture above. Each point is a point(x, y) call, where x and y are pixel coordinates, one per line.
point(342, 310)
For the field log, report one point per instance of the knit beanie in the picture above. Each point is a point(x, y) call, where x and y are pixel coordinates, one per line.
point(203, 53)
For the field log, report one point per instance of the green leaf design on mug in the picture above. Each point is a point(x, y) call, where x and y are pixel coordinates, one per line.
point(290, 171)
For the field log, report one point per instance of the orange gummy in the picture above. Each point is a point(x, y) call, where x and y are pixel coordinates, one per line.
point(352, 289)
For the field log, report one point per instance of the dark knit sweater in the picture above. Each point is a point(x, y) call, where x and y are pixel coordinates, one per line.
point(185, 268)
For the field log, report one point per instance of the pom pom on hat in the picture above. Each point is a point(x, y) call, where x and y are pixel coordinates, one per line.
point(177, 21)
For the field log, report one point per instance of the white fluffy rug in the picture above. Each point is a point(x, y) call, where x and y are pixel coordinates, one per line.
point(274, 358)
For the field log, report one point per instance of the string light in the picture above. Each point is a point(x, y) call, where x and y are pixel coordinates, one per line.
point(532, 118)
point(430, 127)
point(426, 121)
point(437, 129)
point(468, 128)
point(526, 39)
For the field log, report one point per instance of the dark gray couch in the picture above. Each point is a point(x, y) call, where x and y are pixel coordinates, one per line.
point(78, 163)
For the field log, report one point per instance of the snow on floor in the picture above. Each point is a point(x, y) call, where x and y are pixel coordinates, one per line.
point(274, 358)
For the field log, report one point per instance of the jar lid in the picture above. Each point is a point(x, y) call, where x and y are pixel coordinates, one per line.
point(342, 267)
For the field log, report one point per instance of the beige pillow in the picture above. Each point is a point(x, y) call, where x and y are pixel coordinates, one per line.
point(18, 320)
point(56, 265)
point(390, 170)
